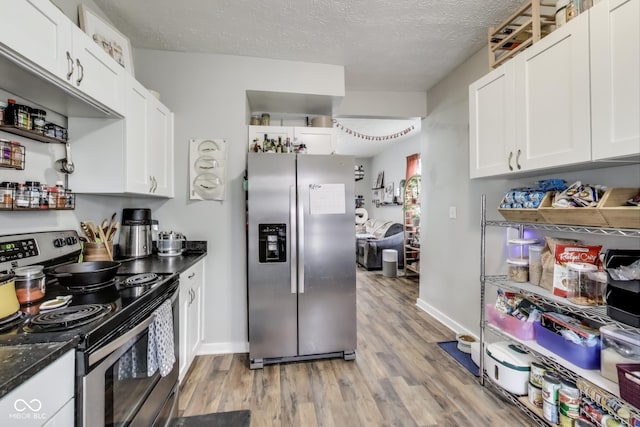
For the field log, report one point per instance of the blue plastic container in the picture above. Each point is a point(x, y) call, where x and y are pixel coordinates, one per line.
point(584, 357)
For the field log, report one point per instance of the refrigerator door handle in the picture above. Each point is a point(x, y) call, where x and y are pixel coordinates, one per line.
point(300, 235)
point(293, 259)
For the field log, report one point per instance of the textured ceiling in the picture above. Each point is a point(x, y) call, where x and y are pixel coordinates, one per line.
point(384, 45)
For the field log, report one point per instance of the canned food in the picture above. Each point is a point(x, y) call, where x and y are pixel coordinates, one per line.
point(550, 387)
point(535, 395)
point(550, 411)
point(537, 373)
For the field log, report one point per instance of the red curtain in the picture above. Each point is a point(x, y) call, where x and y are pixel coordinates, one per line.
point(412, 165)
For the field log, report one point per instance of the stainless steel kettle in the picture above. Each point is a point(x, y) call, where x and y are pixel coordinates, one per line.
point(135, 233)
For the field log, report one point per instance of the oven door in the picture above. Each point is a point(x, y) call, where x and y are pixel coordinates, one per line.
point(118, 392)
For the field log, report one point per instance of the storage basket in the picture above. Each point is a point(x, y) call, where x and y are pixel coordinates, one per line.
point(524, 215)
point(571, 216)
point(629, 382)
point(613, 209)
point(512, 325)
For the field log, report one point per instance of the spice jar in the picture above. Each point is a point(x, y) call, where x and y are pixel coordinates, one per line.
point(3, 107)
point(33, 193)
point(38, 120)
point(7, 190)
point(17, 155)
point(5, 152)
point(30, 283)
point(22, 197)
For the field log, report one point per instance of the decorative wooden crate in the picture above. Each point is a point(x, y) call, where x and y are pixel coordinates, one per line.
point(612, 208)
point(527, 25)
point(571, 216)
point(524, 215)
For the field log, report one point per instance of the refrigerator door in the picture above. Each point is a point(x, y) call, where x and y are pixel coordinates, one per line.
point(272, 304)
point(326, 261)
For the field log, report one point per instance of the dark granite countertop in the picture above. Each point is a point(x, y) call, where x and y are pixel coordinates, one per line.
point(18, 363)
point(161, 264)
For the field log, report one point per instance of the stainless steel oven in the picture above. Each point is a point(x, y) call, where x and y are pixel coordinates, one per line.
point(117, 391)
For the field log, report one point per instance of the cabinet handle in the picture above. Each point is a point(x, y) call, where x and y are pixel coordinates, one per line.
point(154, 184)
point(518, 159)
point(81, 69)
point(191, 276)
point(150, 184)
point(509, 162)
point(69, 66)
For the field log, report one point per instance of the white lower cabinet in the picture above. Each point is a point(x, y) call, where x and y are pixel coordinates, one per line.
point(191, 289)
point(46, 399)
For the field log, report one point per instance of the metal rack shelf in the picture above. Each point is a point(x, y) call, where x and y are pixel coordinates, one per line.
point(533, 414)
point(596, 314)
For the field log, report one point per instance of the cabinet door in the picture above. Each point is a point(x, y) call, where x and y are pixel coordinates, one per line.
point(37, 31)
point(137, 125)
point(96, 73)
point(195, 324)
point(317, 140)
point(615, 81)
point(160, 148)
point(183, 349)
point(552, 91)
point(491, 123)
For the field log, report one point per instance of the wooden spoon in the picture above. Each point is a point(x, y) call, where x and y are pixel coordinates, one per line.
point(106, 243)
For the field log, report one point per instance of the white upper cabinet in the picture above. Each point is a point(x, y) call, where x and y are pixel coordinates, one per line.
point(615, 78)
point(96, 73)
point(552, 89)
point(491, 123)
point(36, 31)
point(160, 148)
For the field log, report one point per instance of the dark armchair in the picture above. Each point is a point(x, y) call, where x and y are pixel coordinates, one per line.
point(369, 249)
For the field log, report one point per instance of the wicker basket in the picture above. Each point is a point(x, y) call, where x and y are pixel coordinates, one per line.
point(629, 382)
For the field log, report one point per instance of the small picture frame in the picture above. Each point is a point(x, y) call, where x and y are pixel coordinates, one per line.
point(388, 193)
point(380, 180)
point(116, 44)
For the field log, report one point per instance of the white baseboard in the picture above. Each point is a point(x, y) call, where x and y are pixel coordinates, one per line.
point(222, 348)
point(443, 318)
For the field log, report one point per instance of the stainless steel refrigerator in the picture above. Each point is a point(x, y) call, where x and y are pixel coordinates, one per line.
point(301, 257)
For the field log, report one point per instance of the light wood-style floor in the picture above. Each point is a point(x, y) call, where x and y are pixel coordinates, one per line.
point(400, 377)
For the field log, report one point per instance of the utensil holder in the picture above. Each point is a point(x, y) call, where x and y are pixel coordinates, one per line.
point(92, 251)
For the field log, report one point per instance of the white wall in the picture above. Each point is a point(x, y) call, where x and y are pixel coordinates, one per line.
point(450, 267)
point(393, 161)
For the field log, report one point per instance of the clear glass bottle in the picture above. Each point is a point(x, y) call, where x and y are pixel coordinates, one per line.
point(22, 196)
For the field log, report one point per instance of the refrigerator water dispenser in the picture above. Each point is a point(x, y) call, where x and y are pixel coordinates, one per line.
point(272, 242)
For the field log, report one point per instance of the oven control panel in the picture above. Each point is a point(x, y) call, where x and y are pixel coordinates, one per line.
point(20, 250)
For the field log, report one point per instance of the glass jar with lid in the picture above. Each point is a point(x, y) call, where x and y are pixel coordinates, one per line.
point(7, 194)
point(38, 120)
point(33, 193)
point(30, 283)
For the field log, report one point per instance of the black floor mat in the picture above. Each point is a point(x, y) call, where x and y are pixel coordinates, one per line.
point(227, 419)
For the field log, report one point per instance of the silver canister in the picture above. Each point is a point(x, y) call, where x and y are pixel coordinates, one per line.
point(171, 243)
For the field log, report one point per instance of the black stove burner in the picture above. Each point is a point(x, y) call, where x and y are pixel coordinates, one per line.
point(83, 289)
point(141, 280)
point(9, 322)
point(67, 318)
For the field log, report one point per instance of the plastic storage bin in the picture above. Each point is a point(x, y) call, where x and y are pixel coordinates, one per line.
point(584, 357)
point(619, 346)
point(508, 366)
point(512, 325)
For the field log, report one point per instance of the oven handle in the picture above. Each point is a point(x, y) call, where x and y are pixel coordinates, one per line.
point(117, 343)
